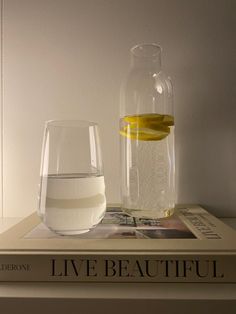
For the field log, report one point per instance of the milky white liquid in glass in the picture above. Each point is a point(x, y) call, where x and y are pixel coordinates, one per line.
point(72, 204)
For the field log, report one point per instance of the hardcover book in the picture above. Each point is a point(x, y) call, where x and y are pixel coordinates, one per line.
point(190, 246)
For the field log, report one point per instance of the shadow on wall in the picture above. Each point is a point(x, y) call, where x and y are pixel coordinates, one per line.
point(205, 146)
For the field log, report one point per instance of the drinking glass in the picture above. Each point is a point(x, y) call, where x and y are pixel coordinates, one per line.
point(72, 189)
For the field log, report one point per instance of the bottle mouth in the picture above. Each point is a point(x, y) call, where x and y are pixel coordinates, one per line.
point(152, 51)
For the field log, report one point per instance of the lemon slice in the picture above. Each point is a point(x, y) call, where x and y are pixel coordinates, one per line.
point(168, 120)
point(141, 136)
point(147, 120)
point(145, 134)
point(144, 118)
point(147, 127)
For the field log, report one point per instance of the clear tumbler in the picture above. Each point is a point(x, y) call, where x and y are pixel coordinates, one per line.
point(72, 189)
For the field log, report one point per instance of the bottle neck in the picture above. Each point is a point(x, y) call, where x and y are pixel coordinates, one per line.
point(147, 56)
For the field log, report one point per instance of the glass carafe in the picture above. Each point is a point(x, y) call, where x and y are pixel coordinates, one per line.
point(147, 137)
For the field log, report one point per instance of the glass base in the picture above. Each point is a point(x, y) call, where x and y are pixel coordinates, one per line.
point(70, 232)
point(148, 213)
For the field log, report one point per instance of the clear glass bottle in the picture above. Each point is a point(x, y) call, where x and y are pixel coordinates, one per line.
point(147, 137)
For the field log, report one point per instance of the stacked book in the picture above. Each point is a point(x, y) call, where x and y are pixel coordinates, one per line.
point(190, 246)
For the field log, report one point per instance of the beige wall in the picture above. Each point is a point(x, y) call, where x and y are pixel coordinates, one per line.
point(66, 59)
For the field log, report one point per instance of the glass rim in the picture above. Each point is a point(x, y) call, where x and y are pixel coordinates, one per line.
point(70, 123)
point(156, 50)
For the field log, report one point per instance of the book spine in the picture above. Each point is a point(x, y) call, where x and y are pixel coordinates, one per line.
point(216, 268)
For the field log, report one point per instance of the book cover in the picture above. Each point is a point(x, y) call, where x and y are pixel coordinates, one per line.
point(190, 246)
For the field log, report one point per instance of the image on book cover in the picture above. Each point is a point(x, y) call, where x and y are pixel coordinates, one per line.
point(118, 225)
